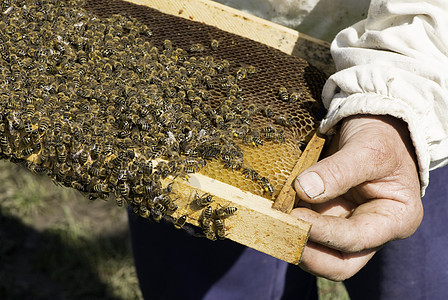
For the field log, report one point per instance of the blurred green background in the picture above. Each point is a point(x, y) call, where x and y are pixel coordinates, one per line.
point(56, 244)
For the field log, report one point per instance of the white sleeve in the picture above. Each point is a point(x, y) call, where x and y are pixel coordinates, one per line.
point(396, 62)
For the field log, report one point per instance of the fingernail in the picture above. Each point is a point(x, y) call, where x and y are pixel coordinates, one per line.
point(312, 184)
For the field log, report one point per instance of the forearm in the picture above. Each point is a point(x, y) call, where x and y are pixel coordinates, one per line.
point(396, 63)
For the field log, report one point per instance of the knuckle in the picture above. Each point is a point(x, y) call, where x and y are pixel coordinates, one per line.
point(338, 177)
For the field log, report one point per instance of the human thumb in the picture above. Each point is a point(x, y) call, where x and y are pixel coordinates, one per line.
point(336, 174)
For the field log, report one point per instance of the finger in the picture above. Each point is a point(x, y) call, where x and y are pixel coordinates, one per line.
point(336, 174)
point(370, 225)
point(333, 264)
point(339, 207)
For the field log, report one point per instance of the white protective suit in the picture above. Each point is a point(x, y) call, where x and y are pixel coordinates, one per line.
point(393, 62)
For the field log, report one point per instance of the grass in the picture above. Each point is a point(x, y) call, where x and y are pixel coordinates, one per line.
point(56, 244)
point(329, 290)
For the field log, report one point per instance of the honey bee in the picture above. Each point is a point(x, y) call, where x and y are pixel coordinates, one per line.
point(63, 170)
point(168, 189)
point(214, 44)
point(220, 228)
point(283, 93)
point(146, 167)
point(206, 214)
point(250, 173)
point(267, 186)
point(268, 129)
point(57, 127)
point(251, 69)
point(180, 222)
point(101, 188)
point(61, 153)
point(209, 234)
point(256, 141)
point(208, 81)
point(242, 130)
point(76, 185)
point(228, 82)
point(15, 122)
point(28, 126)
point(29, 110)
point(202, 201)
point(284, 121)
point(267, 111)
point(222, 65)
point(158, 211)
point(97, 170)
point(196, 48)
point(241, 74)
point(83, 156)
point(124, 133)
point(167, 45)
point(108, 48)
point(35, 168)
point(229, 116)
point(191, 168)
point(27, 151)
point(206, 223)
point(146, 31)
point(7, 150)
point(123, 189)
point(16, 140)
point(224, 212)
point(120, 201)
point(278, 137)
point(137, 200)
point(163, 59)
point(27, 140)
point(143, 211)
point(108, 147)
point(167, 202)
point(52, 150)
point(82, 57)
point(294, 97)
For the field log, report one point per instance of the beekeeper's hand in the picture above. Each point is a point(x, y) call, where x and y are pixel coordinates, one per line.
point(365, 193)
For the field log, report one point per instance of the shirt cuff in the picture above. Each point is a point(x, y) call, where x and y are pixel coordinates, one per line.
point(343, 106)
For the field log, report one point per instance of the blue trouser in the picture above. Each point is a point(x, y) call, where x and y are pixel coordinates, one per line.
point(171, 264)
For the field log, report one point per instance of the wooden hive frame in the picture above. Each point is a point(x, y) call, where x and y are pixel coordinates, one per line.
point(258, 223)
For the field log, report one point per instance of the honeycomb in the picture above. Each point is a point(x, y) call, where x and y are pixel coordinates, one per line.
point(112, 98)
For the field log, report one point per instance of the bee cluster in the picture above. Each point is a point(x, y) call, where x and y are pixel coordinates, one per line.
point(94, 104)
point(211, 219)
